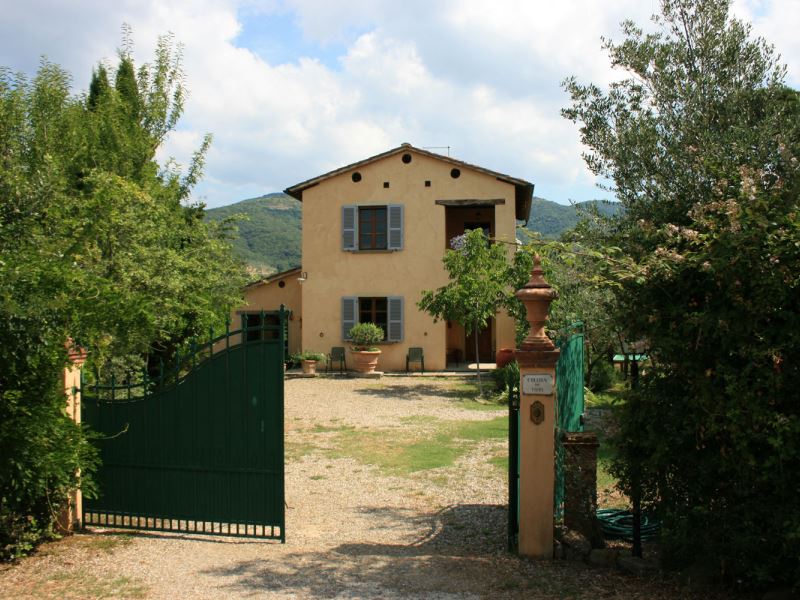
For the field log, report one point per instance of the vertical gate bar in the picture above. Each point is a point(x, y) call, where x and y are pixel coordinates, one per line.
point(513, 465)
point(195, 450)
point(144, 503)
point(112, 474)
point(281, 500)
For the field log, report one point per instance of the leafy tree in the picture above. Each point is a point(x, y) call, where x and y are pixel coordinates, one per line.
point(581, 298)
point(700, 143)
point(97, 242)
point(482, 280)
point(98, 88)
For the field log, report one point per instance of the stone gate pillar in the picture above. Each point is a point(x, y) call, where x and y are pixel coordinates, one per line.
point(537, 357)
point(70, 516)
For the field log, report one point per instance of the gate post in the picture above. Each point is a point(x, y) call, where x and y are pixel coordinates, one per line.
point(71, 514)
point(537, 357)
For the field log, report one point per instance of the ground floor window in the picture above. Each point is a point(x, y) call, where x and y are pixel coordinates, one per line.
point(264, 326)
point(384, 311)
point(373, 310)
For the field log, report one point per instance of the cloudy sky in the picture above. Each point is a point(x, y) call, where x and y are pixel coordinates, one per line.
point(293, 88)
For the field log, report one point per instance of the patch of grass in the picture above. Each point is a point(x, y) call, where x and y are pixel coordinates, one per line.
point(424, 454)
point(110, 541)
point(419, 419)
point(500, 461)
point(327, 428)
point(396, 453)
point(493, 429)
point(317, 477)
point(468, 396)
point(296, 450)
point(82, 583)
point(467, 389)
point(402, 452)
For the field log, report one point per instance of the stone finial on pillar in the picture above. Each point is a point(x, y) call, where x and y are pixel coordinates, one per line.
point(537, 295)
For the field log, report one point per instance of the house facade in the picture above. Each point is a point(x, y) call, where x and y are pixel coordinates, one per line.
point(374, 233)
point(263, 299)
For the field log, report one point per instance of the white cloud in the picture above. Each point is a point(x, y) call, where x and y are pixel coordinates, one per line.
point(482, 77)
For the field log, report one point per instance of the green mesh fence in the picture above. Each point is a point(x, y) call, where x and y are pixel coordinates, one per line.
point(569, 399)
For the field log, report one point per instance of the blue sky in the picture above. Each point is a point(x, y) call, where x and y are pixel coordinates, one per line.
point(293, 88)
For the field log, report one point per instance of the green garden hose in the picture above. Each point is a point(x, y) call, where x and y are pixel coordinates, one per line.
point(618, 524)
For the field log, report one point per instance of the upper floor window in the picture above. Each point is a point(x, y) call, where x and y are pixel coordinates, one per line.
point(372, 227)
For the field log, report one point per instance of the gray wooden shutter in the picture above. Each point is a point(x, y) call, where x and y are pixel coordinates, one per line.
point(349, 315)
point(350, 227)
point(395, 217)
point(395, 319)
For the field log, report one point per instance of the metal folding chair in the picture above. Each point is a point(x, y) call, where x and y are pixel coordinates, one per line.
point(337, 355)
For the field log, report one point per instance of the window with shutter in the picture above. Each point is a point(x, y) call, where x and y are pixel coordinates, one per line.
point(372, 227)
point(395, 319)
point(349, 227)
point(385, 312)
point(349, 315)
point(395, 226)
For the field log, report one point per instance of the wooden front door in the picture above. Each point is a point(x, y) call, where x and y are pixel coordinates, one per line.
point(484, 345)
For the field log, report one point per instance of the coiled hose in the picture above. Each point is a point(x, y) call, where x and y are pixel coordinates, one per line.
point(618, 524)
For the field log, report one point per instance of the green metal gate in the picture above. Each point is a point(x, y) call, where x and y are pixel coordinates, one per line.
point(569, 411)
point(200, 448)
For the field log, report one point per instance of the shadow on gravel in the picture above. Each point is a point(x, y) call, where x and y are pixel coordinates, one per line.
point(409, 391)
point(463, 553)
point(189, 537)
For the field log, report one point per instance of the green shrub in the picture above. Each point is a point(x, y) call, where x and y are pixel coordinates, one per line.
point(365, 336)
point(41, 448)
point(506, 377)
point(307, 355)
point(604, 376)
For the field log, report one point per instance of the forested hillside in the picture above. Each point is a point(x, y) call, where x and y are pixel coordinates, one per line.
point(551, 219)
point(269, 236)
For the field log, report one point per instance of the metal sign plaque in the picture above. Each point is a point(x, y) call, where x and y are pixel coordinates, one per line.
point(537, 413)
point(540, 384)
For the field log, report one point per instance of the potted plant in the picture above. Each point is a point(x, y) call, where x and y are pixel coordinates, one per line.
point(308, 360)
point(365, 353)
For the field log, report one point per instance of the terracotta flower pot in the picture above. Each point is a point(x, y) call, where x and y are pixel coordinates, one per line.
point(503, 357)
point(365, 361)
point(309, 367)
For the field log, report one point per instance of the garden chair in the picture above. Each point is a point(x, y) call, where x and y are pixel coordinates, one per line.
point(336, 355)
point(415, 355)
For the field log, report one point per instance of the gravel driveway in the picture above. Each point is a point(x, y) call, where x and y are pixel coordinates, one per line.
point(354, 530)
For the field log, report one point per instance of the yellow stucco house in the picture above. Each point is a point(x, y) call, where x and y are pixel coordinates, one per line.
point(374, 233)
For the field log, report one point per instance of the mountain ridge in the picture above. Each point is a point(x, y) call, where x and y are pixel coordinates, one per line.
point(269, 237)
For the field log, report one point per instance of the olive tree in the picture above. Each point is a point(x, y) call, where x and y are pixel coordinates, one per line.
point(700, 141)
